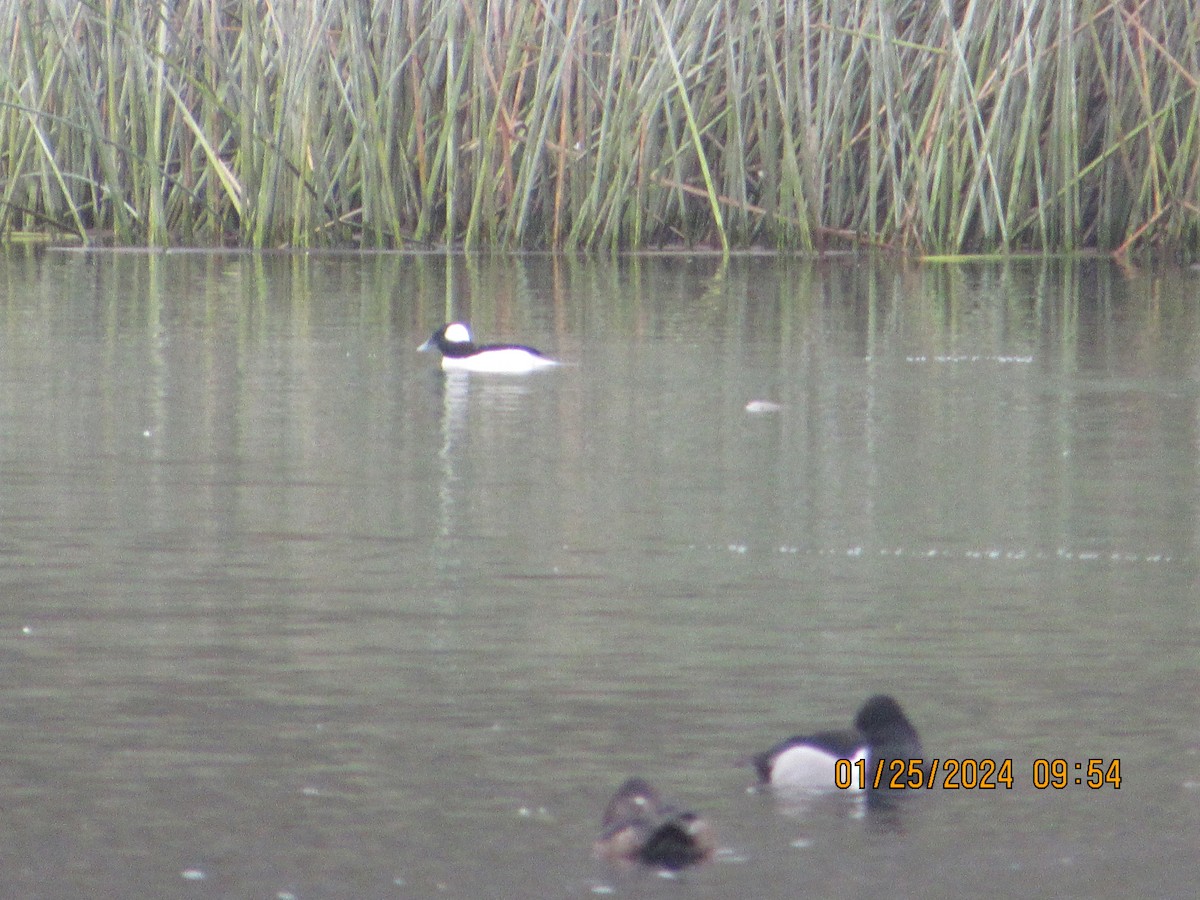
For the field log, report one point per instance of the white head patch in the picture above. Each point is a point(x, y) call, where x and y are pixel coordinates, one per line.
point(457, 333)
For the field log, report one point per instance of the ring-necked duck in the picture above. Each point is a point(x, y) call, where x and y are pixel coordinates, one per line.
point(461, 353)
point(640, 828)
point(881, 732)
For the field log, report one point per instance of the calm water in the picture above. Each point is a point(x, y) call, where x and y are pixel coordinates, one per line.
point(285, 612)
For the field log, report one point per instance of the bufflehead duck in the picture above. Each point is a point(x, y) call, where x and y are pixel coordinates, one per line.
point(461, 353)
point(806, 762)
point(640, 828)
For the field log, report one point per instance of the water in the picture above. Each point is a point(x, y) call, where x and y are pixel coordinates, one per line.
point(285, 612)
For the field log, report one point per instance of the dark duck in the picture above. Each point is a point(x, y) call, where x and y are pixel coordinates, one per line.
point(640, 828)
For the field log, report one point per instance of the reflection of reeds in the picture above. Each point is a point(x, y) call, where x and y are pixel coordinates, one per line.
point(940, 127)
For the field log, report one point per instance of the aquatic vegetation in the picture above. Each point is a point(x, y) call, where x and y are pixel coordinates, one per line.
point(937, 128)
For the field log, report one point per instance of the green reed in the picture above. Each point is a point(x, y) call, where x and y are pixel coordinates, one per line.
point(940, 127)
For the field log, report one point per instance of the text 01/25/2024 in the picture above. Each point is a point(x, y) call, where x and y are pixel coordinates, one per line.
point(973, 774)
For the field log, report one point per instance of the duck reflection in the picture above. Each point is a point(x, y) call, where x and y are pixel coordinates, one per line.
point(460, 390)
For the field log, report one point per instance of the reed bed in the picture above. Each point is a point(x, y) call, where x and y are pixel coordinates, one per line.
point(929, 126)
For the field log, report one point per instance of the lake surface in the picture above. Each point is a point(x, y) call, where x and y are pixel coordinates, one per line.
point(287, 613)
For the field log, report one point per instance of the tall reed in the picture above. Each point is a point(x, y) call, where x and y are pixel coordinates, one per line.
point(948, 126)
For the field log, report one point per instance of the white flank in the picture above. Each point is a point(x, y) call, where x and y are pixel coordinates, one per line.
point(507, 361)
point(809, 768)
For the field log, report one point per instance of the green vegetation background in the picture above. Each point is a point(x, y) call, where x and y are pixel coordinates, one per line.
point(931, 126)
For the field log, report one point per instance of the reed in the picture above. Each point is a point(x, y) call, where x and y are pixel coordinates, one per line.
point(941, 127)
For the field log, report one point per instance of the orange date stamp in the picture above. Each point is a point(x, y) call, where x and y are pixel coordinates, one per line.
point(981, 774)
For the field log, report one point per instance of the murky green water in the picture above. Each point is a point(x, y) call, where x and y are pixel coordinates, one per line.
point(286, 612)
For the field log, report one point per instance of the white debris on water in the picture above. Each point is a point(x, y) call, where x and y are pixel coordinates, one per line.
point(959, 358)
point(763, 406)
point(983, 554)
